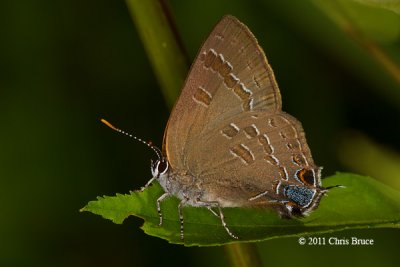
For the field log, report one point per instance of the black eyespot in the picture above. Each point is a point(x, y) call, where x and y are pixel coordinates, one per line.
point(296, 211)
point(306, 176)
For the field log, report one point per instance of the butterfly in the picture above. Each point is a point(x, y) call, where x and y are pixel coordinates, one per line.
point(228, 143)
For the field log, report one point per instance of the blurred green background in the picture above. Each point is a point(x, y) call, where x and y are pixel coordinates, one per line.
point(66, 64)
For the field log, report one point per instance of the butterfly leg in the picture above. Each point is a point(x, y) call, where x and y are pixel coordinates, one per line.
point(215, 204)
point(212, 211)
point(221, 215)
point(159, 200)
point(147, 184)
point(180, 212)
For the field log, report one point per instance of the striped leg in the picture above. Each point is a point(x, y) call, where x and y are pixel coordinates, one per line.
point(147, 184)
point(161, 198)
point(212, 211)
point(221, 215)
point(180, 212)
point(215, 204)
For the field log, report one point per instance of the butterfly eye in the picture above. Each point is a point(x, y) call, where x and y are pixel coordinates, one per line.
point(162, 166)
point(307, 176)
point(159, 167)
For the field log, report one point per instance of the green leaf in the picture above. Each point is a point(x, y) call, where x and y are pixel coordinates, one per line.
point(362, 203)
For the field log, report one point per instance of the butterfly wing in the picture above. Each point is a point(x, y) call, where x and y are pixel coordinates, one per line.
point(230, 76)
point(250, 154)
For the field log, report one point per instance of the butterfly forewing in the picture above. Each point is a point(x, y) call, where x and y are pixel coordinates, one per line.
point(229, 76)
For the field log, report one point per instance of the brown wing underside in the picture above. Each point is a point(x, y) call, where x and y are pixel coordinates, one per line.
point(249, 154)
point(230, 76)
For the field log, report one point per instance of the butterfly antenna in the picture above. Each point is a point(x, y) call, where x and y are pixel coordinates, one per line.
point(149, 144)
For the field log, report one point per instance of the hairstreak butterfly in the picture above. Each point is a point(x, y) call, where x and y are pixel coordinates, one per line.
point(228, 143)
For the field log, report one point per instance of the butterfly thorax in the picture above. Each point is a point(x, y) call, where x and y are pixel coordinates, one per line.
point(179, 183)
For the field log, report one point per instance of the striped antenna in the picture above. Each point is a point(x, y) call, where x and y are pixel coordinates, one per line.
point(149, 144)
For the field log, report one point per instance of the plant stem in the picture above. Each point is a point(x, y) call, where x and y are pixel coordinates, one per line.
point(170, 64)
point(156, 29)
point(243, 255)
point(338, 13)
